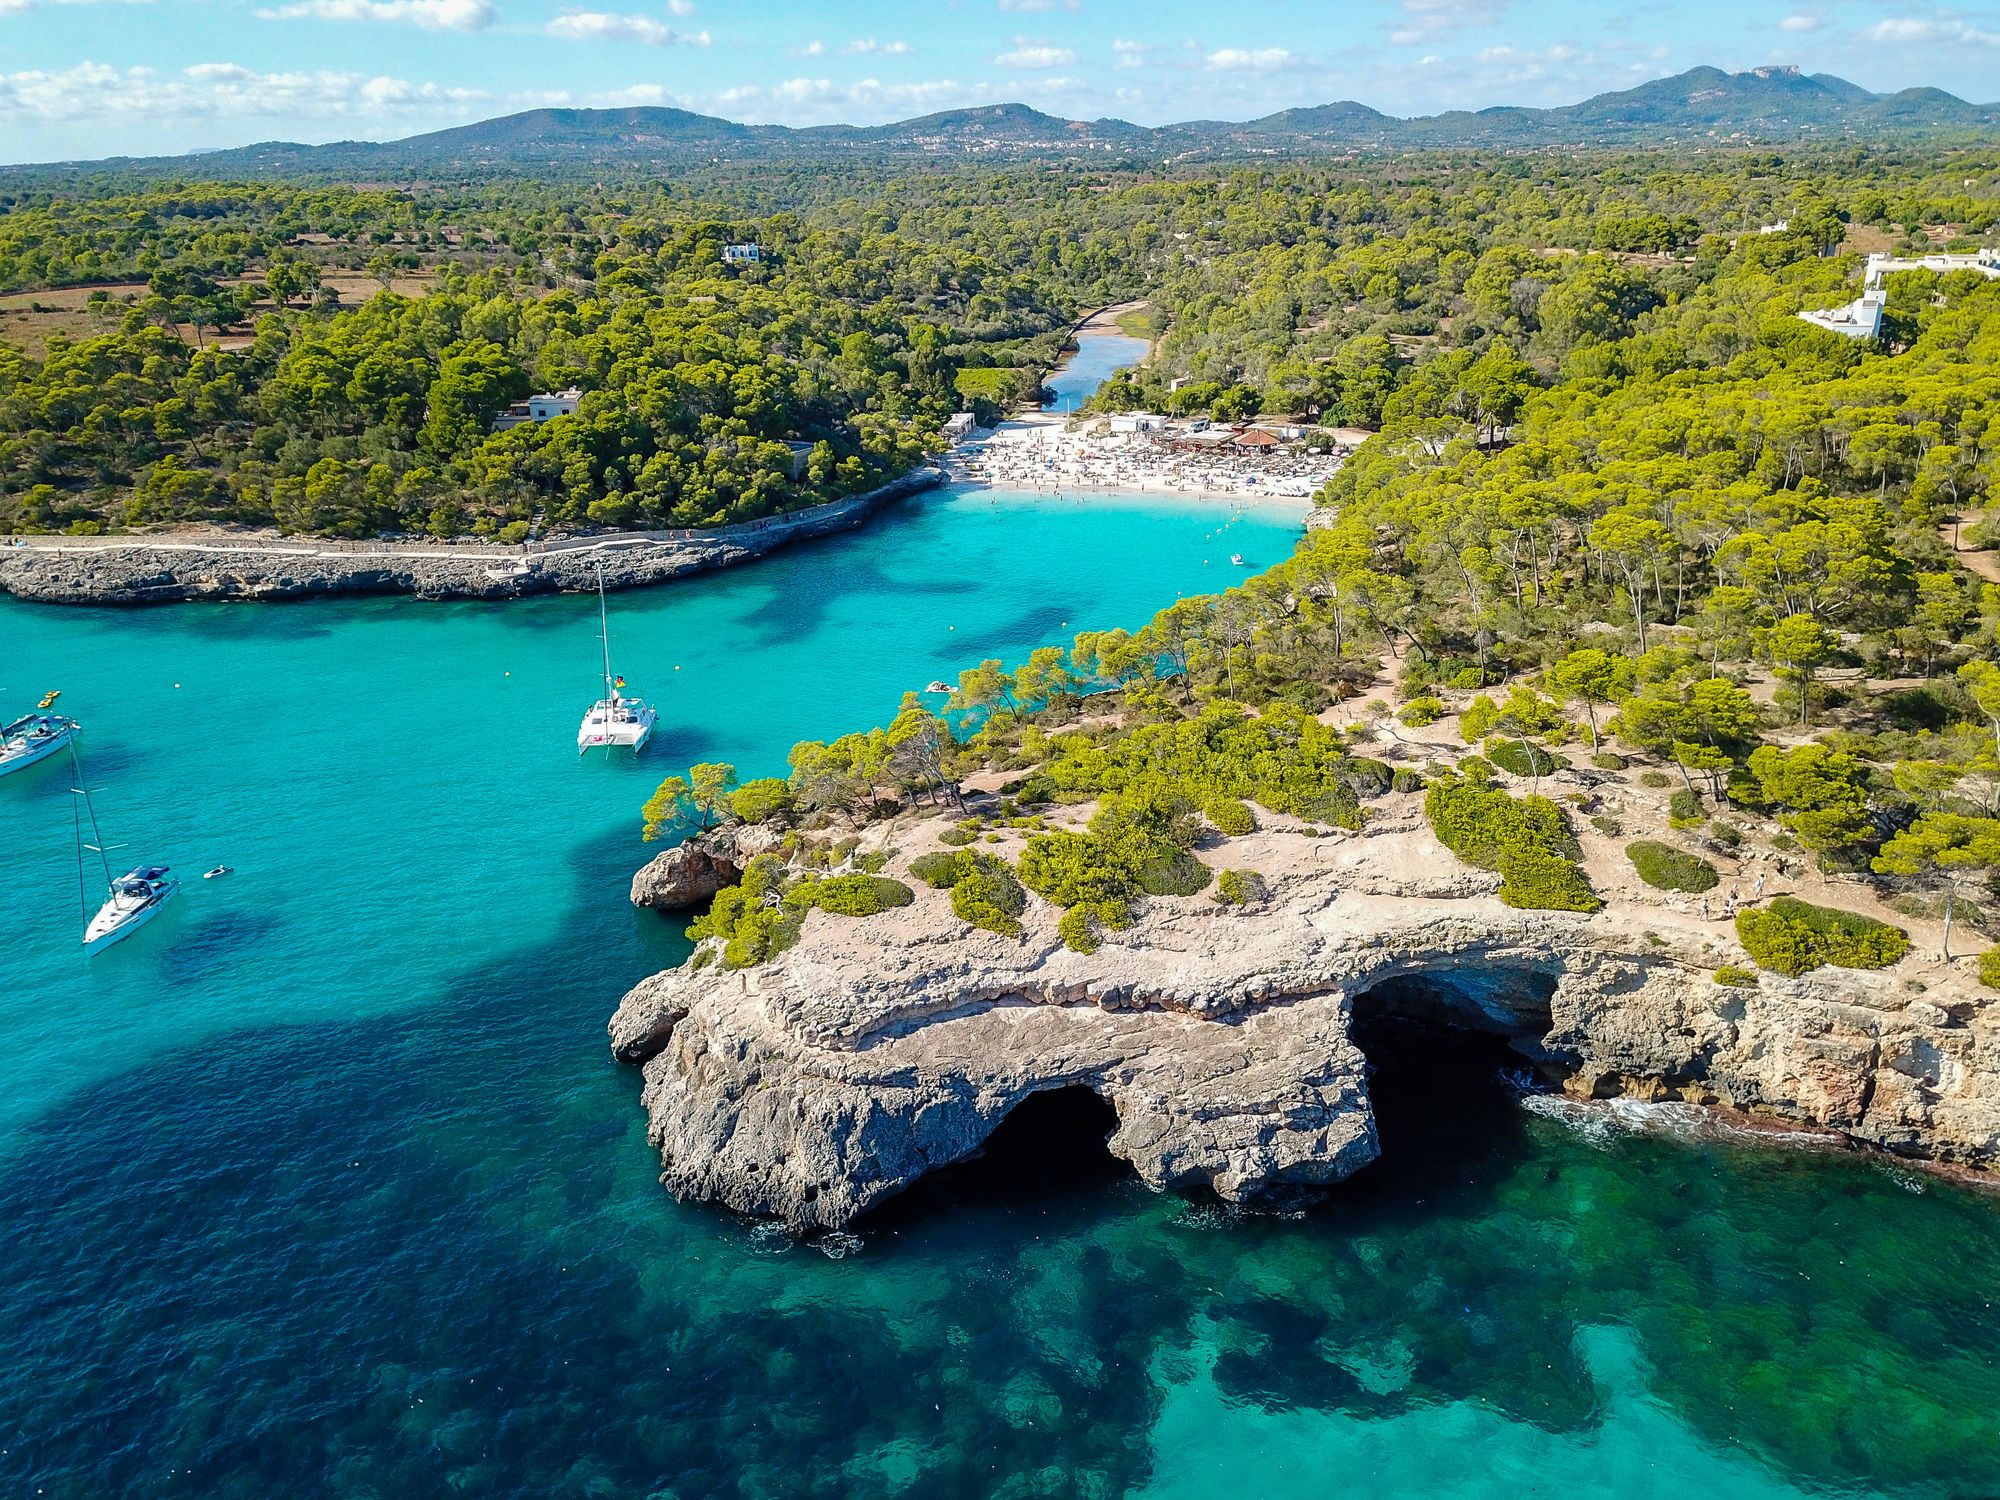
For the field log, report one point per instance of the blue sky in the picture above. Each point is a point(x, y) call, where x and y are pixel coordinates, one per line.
point(84, 78)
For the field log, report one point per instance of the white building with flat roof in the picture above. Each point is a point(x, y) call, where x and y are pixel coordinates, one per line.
point(749, 253)
point(1986, 262)
point(1859, 319)
point(539, 408)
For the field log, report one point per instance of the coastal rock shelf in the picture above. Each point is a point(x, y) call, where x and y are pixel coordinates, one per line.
point(874, 1052)
point(165, 570)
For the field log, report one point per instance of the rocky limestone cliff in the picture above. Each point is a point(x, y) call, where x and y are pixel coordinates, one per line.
point(875, 1051)
point(166, 570)
point(690, 873)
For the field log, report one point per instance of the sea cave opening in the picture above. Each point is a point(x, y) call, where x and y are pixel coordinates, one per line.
point(1050, 1148)
point(1444, 1077)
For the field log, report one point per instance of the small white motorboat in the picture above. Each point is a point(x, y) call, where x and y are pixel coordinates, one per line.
point(218, 871)
point(35, 737)
point(136, 897)
point(940, 686)
point(1236, 558)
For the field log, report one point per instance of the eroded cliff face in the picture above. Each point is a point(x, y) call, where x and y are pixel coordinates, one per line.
point(878, 1050)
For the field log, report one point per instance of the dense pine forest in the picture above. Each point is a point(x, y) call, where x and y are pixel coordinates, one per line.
point(330, 359)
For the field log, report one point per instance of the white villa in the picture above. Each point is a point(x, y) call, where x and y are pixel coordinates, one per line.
point(958, 426)
point(1859, 319)
point(539, 408)
point(748, 254)
point(1986, 262)
point(1862, 318)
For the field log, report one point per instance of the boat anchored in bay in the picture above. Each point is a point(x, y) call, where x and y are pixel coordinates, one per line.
point(133, 899)
point(614, 719)
point(33, 737)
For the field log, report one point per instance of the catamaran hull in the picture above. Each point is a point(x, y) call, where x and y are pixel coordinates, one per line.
point(633, 742)
point(21, 760)
point(129, 926)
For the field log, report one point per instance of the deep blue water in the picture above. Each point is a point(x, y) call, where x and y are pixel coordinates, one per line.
point(326, 1184)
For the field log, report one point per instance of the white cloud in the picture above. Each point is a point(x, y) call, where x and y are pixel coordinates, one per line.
point(1907, 29)
point(22, 7)
point(597, 25)
point(681, 8)
point(868, 44)
point(432, 15)
point(1426, 19)
point(1129, 54)
point(1801, 22)
point(813, 48)
point(215, 90)
point(1261, 60)
point(1036, 57)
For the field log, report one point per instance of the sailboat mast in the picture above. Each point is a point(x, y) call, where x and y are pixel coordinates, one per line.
point(78, 808)
point(604, 631)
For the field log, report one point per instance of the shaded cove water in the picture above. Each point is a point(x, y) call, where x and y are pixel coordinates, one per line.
point(1098, 357)
point(325, 1185)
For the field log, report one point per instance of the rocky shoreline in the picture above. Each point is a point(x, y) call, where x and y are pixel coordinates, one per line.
point(169, 570)
point(874, 1052)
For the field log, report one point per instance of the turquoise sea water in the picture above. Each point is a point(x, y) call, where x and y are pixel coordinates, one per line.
point(326, 1184)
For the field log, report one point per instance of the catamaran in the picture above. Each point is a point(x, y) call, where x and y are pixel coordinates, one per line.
point(33, 737)
point(133, 899)
point(613, 719)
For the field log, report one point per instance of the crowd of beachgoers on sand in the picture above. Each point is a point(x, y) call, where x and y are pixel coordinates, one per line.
point(1063, 455)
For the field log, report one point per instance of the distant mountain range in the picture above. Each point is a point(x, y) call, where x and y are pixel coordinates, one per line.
point(1774, 104)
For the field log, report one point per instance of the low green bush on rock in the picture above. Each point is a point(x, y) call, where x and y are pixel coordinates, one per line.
point(1732, 976)
point(1238, 888)
point(1792, 937)
point(1524, 838)
point(1666, 868)
point(850, 895)
point(1989, 968)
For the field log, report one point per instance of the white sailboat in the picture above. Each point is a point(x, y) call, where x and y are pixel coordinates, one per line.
point(33, 737)
point(614, 719)
point(133, 899)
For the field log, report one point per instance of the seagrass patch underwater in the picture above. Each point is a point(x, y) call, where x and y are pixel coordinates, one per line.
point(326, 1185)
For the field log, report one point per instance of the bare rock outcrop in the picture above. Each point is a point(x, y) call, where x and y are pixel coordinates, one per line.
point(690, 873)
point(878, 1050)
point(168, 569)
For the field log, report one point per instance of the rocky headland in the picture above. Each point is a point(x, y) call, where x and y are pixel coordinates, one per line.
point(874, 1051)
point(174, 568)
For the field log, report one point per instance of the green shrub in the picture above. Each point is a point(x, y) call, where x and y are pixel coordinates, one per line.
point(850, 895)
point(1238, 888)
point(1608, 826)
point(958, 837)
point(1666, 868)
point(941, 871)
point(1231, 816)
point(1732, 977)
point(1519, 758)
point(1368, 777)
point(513, 533)
point(1176, 874)
point(760, 800)
point(1525, 839)
point(1421, 711)
point(991, 898)
point(1079, 929)
point(1989, 968)
point(1468, 677)
point(1542, 880)
point(1655, 778)
point(1408, 781)
point(1792, 936)
point(1684, 810)
point(1606, 760)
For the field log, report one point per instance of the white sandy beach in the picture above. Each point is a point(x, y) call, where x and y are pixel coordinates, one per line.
point(1037, 453)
